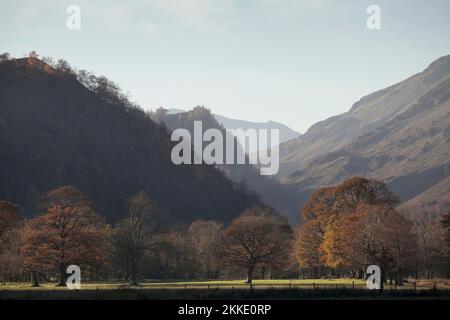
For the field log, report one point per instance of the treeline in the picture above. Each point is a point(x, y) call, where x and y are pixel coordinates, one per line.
point(353, 225)
point(68, 230)
point(348, 227)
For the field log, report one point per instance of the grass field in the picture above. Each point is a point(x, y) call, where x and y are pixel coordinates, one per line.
point(222, 289)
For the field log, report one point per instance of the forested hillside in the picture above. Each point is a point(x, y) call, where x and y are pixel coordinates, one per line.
point(61, 127)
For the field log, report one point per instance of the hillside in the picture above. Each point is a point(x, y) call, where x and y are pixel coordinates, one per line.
point(434, 199)
point(54, 131)
point(409, 149)
point(282, 197)
point(369, 113)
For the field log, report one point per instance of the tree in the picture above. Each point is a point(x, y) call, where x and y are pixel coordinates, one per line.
point(207, 239)
point(64, 67)
point(326, 207)
point(340, 248)
point(357, 191)
point(388, 241)
point(33, 54)
point(258, 238)
point(10, 259)
point(68, 231)
point(446, 225)
point(131, 237)
point(5, 56)
point(320, 204)
point(374, 234)
point(10, 217)
point(308, 246)
point(11, 225)
point(431, 243)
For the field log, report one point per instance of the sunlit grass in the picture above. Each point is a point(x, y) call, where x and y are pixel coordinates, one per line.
point(191, 284)
point(275, 283)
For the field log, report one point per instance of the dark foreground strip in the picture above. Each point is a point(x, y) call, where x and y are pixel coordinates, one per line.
point(221, 309)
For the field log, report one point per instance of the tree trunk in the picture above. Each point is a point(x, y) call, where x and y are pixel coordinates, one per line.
point(399, 280)
point(249, 275)
point(62, 276)
point(134, 272)
point(263, 272)
point(34, 279)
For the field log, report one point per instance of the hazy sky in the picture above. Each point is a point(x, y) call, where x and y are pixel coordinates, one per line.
point(293, 61)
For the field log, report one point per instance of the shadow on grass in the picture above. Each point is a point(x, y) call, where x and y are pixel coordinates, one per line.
point(219, 293)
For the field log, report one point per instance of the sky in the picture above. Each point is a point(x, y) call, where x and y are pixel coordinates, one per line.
point(292, 61)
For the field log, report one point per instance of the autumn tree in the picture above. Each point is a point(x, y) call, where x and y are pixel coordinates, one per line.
point(33, 54)
point(11, 224)
point(374, 234)
point(340, 248)
point(328, 205)
point(308, 246)
point(346, 197)
point(131, 238)
point(5, 56)
point(357, 191)
point(10, 217)
point(67, 231)
point(258, 238)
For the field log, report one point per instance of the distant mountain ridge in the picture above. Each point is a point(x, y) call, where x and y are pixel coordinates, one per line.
point(286, 133)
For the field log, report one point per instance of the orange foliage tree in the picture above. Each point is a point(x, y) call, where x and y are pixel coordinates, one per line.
point(323, 213)
point(10, 217)
point(11, 225)
point(68, 231)
point(375, 234)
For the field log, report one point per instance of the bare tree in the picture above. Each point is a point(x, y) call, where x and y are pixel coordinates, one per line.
point(431, 242)
point(33, 54)
point(131, 237)
point(5, 56)
point(207, 239)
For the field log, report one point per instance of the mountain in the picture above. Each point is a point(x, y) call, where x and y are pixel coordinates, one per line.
point(175, 111)
point(55, 131)
point(369, 113)
point(282, 197)
point(286, 133)
point(400, 135)
point(435, 199)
